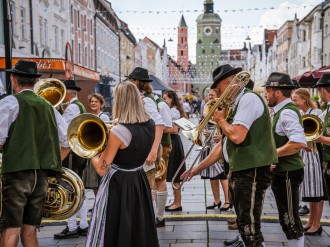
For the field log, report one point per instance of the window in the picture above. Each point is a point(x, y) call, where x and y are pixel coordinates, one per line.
point(23, 22)
point(91, 27)
point(55, 38)
point(212, 51)
point(181, 53)
point(326, 30)
point(13, 16)
point(203, 51)
point(78, 16)
point(86, 56)
point(303, 35)
point(92, 59)
point(62, 41)
point(181, 40)
point(85, 23)
point(79, 53)
point(42, 31)
point(46, 32)
point(71, 17)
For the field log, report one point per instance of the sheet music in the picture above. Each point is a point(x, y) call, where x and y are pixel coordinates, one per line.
point(184, 124)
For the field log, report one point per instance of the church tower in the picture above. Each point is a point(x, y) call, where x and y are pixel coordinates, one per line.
point(182, 50)
point(208, 47)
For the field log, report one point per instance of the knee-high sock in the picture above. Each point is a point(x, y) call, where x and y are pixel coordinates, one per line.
point(296, 242)
point(72, 224)
point(161, 203)
point(83, 216)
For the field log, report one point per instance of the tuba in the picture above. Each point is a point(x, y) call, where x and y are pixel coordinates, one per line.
point(313, 127)
point(226, 100)
point(88, 135)
point(66, 191)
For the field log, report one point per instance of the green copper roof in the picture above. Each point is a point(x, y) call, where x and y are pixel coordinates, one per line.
point(182, 22)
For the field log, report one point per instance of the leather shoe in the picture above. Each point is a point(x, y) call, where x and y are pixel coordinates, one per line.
point(232, 227)
point(214, 205)
point(303, 210)
point(65, 234)
point(231, 221)
point(160, 223)
point(168, 209)
point(230, 242)
point(237, 244)
point(83, 232)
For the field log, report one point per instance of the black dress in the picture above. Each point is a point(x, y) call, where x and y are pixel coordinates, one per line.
point(129, 217)
point(175, 159)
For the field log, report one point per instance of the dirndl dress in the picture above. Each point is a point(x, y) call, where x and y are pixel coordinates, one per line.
point(175, 159)
point(215, 170)
point(123, 213)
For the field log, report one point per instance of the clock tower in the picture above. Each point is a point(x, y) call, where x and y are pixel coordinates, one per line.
point(208, 47)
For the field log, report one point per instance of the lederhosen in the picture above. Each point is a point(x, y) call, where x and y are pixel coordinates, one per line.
point(73, 161)
point(250, 176)
point(286, 180)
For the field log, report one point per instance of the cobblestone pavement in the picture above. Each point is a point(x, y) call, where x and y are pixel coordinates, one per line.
point(197, 227)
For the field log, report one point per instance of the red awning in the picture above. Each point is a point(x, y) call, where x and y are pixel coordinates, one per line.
point(310, 78)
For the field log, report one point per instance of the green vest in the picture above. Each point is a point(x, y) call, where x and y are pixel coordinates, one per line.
point(258, 148)
point(326, 132)
point(33, 141)
point(80, 105)
point(291, 162)
point(166, 138)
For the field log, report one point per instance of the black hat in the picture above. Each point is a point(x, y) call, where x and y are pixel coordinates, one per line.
point(279, 80)
point(223, 72)
point(26, 69)
point(140, 74)
point(71, 84)
point(296, 83)
point(324, 81)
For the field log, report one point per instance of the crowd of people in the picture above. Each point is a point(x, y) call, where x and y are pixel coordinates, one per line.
point(255, 145)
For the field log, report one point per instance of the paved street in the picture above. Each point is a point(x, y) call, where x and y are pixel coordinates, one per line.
point(196, 226)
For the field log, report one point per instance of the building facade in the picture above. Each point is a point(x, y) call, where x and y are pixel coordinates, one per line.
point(326, 33)
point(283, 39)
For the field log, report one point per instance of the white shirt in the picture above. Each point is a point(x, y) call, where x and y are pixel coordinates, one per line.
point(9, 109)
point(186, 107)
point(288, 123)
point(71, 111)
point(165, 112)
point(175, 114)
point(249, 109)
point(104, 117)
point(151, 108)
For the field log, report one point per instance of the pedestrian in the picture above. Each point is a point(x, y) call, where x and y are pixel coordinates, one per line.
point(177, 153)
point(288, 173)
point(74, 163)
point(215, 173)
point(186, 107)
point(249, 148)
point(33, 141)
point(123, 214)
point(90, 178)
point(323, 86)
point(312, 188)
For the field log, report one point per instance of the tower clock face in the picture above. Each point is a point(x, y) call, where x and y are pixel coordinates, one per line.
point(208, 30)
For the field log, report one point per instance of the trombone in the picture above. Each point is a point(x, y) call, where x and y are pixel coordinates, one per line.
point(226, 100)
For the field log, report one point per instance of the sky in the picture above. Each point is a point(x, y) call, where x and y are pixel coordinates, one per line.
point(159, 19)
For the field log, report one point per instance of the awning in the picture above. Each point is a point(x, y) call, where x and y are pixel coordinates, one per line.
point(157, 84)
point(309, 78)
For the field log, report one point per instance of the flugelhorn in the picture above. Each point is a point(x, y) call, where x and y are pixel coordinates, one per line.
point(226, 100)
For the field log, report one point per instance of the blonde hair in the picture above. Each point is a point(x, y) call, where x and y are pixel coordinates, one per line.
point(304, 94)
point(128, 105)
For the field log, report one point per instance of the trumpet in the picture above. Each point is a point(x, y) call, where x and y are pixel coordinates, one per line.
point(226, 100)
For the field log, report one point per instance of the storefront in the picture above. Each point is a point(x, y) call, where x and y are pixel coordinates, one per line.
point(55, 68)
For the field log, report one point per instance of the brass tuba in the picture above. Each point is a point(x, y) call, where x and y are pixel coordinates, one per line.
point(66, 191)
point(88, 135)
point(313, 127)
point(226, 100)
